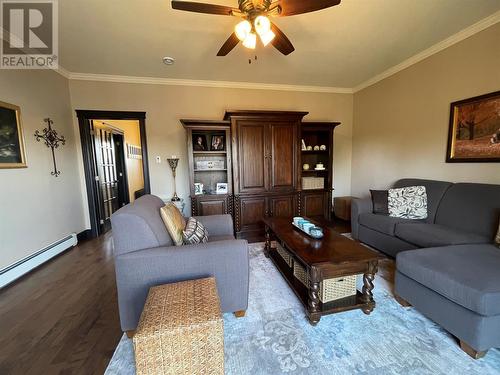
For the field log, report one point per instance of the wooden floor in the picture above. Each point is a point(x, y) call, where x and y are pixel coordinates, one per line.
point(63, 317)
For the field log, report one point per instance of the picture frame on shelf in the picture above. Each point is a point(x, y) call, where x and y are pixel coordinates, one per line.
point(198, 188)
point(222, 188)
point(12, 149)
point(217, 143)
point(200, 142)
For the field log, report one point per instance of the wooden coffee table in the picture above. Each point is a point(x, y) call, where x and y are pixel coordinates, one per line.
point(330, 257)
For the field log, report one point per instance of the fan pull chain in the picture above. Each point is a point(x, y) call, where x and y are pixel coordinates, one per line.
point(250, 60)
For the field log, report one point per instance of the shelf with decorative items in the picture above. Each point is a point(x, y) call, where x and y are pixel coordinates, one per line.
point(316, 168)
point(209, 159)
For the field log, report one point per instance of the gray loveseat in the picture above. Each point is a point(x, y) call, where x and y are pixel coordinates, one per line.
point(145, 256)
point(446, 266)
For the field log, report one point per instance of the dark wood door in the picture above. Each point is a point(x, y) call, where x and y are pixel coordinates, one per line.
point(121, 170)
point(252, 158)
point(282, 206)
point(314, 203)
point(251, 212)
point(283, 154)
point(107, 182)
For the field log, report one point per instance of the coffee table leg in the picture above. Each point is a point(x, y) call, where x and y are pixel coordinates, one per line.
point(267, 246)
point(313, 313)
point(368, 286)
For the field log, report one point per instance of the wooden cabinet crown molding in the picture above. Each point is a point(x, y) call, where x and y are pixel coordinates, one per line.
point(204, 124)
point(265, 115)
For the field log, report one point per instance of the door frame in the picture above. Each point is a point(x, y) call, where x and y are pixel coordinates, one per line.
point(84, 116)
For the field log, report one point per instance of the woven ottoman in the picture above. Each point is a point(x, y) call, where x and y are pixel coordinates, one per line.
point(181, 330)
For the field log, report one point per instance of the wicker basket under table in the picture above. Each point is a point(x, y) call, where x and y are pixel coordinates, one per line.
point(181, 330)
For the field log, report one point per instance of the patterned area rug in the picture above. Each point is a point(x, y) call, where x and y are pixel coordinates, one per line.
point(276, 338)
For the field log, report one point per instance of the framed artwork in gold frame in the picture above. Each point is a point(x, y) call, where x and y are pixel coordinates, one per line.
point(12, 152)
point(474, 133)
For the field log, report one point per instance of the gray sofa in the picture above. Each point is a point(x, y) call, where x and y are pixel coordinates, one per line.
point(446, 266)
point(145, 256)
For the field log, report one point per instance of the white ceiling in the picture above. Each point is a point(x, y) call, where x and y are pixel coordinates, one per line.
point(341, 46)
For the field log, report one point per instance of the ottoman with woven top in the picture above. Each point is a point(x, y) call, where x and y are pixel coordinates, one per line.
point(181, 330)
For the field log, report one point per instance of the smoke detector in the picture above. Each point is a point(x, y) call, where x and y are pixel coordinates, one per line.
point(168, 60)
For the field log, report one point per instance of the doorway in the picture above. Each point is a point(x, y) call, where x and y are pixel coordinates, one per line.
point(115, 160)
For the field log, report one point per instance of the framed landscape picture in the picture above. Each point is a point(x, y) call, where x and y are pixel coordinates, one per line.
point(12, 154)
point(474, 134)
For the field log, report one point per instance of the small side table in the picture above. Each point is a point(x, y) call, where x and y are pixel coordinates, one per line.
point(342, 207)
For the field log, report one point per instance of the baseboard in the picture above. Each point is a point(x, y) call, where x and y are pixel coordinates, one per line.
point(25, 265)
point(84, 235)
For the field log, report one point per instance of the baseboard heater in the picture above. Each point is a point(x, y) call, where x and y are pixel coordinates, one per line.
point(29, 263)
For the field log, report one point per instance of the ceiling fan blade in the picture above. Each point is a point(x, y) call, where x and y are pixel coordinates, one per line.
point(228, 46)
point(203, 8)
point(293, 7)
point(281, 42)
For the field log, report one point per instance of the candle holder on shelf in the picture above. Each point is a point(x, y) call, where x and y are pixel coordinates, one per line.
point(174, 162)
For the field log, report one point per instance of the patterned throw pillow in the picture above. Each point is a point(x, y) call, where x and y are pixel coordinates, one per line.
point(194, 233)
point(408, 202)
point(174, 222)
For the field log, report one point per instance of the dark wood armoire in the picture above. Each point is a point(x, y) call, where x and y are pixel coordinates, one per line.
point(263, 163)
point(266, 162)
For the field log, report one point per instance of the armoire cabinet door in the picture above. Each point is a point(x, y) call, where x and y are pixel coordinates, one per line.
point(314, 203)
point(212, 207)
point(252, 211)
point(283, 155)
point(282, 206)
point(252, 152)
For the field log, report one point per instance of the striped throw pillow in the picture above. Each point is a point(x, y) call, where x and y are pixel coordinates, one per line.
point(194, 232)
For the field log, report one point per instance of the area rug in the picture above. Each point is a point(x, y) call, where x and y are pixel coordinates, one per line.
point(276, 338)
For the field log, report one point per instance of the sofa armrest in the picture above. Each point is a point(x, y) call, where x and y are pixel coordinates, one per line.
point(217, 225)
point(359, 206)
point(136, 272)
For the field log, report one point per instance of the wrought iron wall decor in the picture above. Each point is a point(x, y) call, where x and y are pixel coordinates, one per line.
point(52, 141)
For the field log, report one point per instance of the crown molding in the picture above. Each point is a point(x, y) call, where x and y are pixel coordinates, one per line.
point(448, 42)
point(65, 73)
point(205, 83)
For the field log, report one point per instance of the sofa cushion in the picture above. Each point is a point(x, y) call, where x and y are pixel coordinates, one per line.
point(380, 201)
point(432, 235)
point(435, 192)
point(174, 222)
point(465, 274)
point(471, 207)
point(194, 233)
point(497, 237)
point(383, 223)
point(408, 202)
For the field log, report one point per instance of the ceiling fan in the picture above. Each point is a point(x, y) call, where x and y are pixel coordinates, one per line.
point(255, 15)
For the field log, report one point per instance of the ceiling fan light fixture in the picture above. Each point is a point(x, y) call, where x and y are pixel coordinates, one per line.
point(262, 25)
point(267, 37)
point(250, 41)
point(243, 29)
